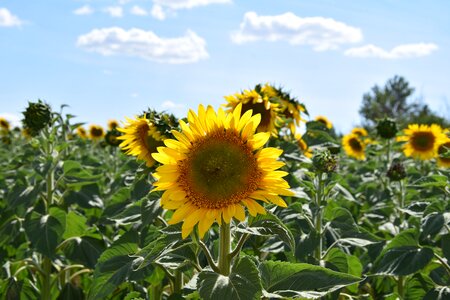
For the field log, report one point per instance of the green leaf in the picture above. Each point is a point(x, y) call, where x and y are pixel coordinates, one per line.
point(402, 261)
point(45, 231)
point(431, 225)
point(71, 292)
point(287, 279)
point(87, 197)
point(439, 293)
point(445, 242)
point(23, 194)
point(76, 225)
point(117, 265)
point(242, 283)
point(84, 250)
point(150, 208)
point(269, 224)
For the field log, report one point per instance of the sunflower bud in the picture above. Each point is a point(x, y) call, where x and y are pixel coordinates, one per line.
point(396, 171)
point(111, 137)
point(324, 161)
point(37, 116)
point(386, 128)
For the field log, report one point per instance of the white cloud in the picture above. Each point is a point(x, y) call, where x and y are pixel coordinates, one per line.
point(158, 12)
point(13, 119)
point(145, 44)
point(138, 11)
point(161, 8)
point(114, 11)
point(84, 10)
point(123, 2)
point(401, 51)
point(171, 105)
point(7, 19)
point(319, 32)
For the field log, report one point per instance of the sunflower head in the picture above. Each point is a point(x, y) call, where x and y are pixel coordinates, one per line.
point(422, 141)
point(386, 128)
point(324, 120)
point(112, 124)
point(96, 132)
point(111, 137)
point(354, 146)
point(37, 116)
point(81, 132)
point(443, 158)
point(396, 171)
point(324, 161)
point(4, 124)
point(216, 167)
point(359, 131)
point(140, 138)
point(259, 103)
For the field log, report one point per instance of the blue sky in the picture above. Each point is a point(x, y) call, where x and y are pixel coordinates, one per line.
point(114, 58)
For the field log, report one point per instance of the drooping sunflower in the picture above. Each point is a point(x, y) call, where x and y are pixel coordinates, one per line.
point(422, 141)
point(290, 110)
point(443, 147)
point(140, 138)
point(112, 124)
point(359, 131)
point(303, 146)
point(325, 121)
point(215, 168)
point(96, 132)
point(81, 132)
point(259, 104)
point(4, 124)
point(354, 146)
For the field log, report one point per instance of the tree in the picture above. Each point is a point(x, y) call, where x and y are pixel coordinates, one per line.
point(392, 101)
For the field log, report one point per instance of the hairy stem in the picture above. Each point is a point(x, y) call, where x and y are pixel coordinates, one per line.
point(224, 249)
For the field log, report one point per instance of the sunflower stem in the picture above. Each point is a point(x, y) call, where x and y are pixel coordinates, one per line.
point(388, 153)
point(224, 249)
point(178, 282)
point(208, 255)
point(401, 287)
point(318, 219)
point(239, 246)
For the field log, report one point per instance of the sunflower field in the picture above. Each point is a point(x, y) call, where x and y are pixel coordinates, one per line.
point(254, 200)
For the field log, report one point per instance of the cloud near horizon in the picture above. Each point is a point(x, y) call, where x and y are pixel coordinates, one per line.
point(319, 32)
point(398, 52)
point(161, 8)
point(137, 42)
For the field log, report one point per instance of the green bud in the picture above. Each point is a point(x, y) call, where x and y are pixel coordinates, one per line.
point(396, 171)
point(386, 128)
point(324, 161)
point(37, 116)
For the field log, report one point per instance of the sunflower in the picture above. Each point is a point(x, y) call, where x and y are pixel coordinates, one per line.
point(140, 138)
point(325, 121)
point(444, 146)
point(359, 131)
point(81, 132)
point(303, 146)
point(4, 124)
point(112, 124)
point(215, 168)
point(96, 132)
point(259, 104)
point(353, 146)
point(422, 141)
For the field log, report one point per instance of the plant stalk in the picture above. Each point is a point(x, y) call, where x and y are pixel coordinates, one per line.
point(318, 219)
point(224, 249)
point(178, 282)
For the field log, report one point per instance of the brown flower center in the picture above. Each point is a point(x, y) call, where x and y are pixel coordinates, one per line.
point(355, 144)
point(422, 141)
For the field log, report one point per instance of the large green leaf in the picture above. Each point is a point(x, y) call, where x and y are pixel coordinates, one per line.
point(242, 283)
point(445, 242)
point(269, 224)
point(402, 261)
point(84, 250)
point(288, 279)
point(87, 197)
point(439, 293)
point(45, 231)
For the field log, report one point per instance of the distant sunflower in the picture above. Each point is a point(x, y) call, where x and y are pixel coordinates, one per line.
point(444, 146)
point(4, 124)
point(303, 146)
point(353, 146)
point(140, 138)
point(215, 168)
point(96, 132)
point(359, 131)
point(325, 121)
point(259, 104)
point(422, 141)
point(81, 132)
point(112, 124)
